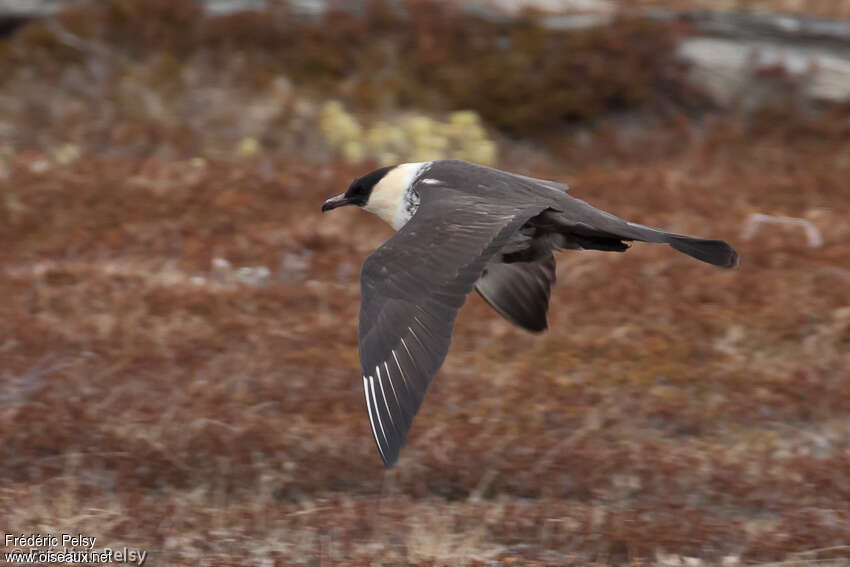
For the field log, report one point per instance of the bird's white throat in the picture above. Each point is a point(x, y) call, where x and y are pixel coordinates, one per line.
point(393, 198)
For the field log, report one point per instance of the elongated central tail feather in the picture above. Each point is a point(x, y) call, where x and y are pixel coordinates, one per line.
point(714, 252)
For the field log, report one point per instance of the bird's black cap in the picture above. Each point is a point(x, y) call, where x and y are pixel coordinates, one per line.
point(359, 191)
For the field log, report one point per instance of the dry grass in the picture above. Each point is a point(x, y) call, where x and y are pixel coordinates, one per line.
point(672, 407)
point(820, 8)
point(152, 399)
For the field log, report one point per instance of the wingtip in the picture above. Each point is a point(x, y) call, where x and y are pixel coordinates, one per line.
point(387, 451)
point(388, 456)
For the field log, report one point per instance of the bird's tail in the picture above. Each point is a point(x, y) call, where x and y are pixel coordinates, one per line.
point(714, 252)
point(591, 229)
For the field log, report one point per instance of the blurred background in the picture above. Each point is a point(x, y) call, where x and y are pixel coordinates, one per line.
point(178, 322)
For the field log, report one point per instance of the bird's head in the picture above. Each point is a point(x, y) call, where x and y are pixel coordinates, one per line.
point(359, 192)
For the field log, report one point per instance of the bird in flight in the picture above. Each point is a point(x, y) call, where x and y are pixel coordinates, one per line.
point(461, 227)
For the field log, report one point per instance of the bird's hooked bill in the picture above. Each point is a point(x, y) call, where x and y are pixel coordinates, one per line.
point(334, 202)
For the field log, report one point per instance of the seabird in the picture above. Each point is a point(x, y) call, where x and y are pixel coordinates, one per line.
point(461, 227)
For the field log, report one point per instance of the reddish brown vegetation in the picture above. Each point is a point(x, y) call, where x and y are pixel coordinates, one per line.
point(150, 400)
point(809, 8)
point(670, 407)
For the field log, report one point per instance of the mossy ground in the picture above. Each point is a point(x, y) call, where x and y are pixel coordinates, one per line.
point(150, 400)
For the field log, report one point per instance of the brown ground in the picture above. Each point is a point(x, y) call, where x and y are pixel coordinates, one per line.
point(151, 400)
point(819, 8)
point(672, 407)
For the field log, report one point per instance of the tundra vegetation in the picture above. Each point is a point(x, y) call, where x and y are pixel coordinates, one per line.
point(178, 352)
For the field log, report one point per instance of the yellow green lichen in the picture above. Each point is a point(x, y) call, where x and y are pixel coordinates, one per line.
point(411, 138)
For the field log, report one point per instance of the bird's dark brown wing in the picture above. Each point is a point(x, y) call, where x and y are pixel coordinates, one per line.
point(520, 291)
point(411, 290)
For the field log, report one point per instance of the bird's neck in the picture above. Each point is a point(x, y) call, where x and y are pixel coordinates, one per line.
point(393, 197)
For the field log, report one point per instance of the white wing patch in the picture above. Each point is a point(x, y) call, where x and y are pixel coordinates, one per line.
point(390, 379)
point(404, 344)
point(384, 394)
point(415, 336)
point(371, 418)
point(400, 371)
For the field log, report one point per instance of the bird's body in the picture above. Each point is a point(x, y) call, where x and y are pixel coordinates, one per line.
point(462, 227)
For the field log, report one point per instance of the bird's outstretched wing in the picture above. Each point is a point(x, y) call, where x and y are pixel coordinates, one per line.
point(411, 290)
point(519, 292)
